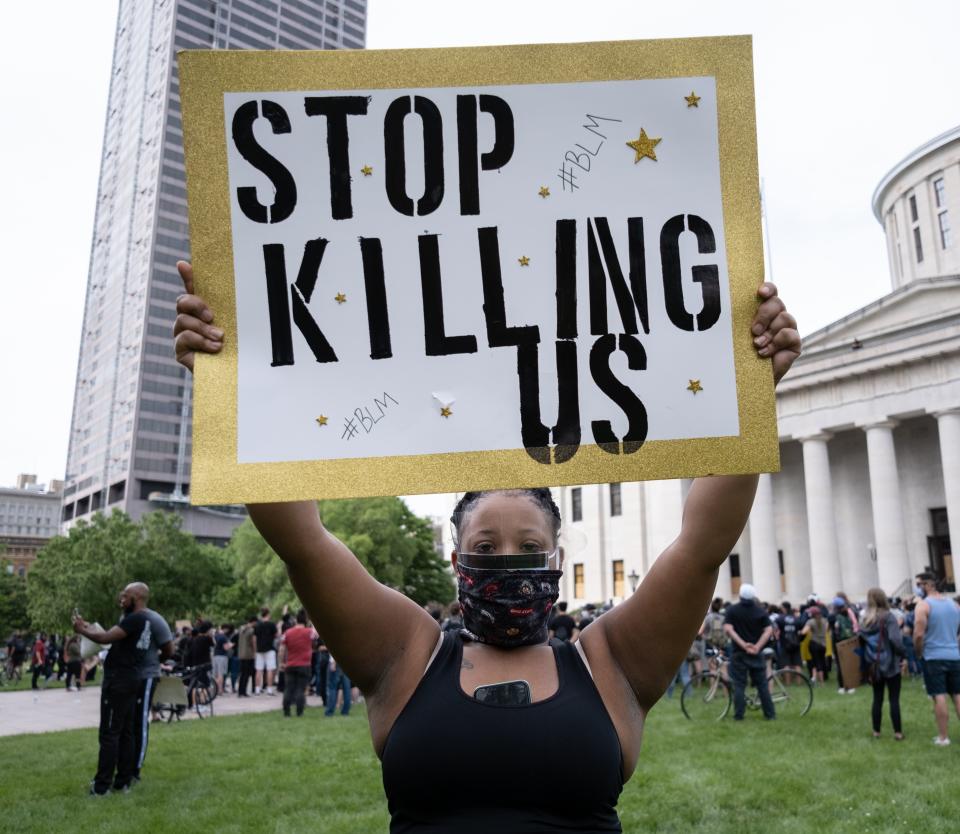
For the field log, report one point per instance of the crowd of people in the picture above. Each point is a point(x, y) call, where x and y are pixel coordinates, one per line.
point(258, 657)
point(263, 657)
point(916, 637)
point(48, 657)
point(895, 638)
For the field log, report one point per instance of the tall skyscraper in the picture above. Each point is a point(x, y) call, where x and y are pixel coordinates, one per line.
point(130, 432)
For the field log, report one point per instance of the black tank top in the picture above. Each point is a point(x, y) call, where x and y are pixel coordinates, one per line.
point(454, 764)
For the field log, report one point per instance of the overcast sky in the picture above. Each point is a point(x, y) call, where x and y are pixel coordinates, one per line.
point(844, 91)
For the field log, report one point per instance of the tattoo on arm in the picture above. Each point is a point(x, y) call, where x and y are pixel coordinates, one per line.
point(466, 664)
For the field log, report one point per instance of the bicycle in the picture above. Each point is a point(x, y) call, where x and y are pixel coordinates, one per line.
point(183, 689)
point(10, 672)
point(708, 695)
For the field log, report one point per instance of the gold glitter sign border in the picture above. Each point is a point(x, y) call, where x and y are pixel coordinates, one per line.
point(205, 75)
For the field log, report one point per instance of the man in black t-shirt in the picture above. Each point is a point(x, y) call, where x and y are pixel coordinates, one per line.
point(748, 625)
point(265, 662)
point(562, 625)
point(129, 640)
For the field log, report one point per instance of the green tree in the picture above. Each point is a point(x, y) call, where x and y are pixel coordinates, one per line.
point(257, 571)
point(392, 543)
point(13, 601)
point(87, 569)
point(234, 603)
point(395, 545)
point(184, 576)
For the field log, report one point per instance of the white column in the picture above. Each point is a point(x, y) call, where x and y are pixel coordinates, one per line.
point(949, 425)
point(824, 553)
point(604, 554)
point(723, 582)
point(893, 565)
point(763, 543)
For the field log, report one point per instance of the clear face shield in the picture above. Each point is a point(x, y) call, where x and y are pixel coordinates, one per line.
point(510, 561)
point(508, 532)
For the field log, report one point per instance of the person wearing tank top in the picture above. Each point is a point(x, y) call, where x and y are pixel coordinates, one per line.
point(590, 696)
point(935, 636)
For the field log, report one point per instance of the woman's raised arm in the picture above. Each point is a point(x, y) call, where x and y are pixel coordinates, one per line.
point(648, 636)
point(370, 629)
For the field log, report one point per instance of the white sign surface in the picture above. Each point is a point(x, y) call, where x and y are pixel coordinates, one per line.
point(609, 259)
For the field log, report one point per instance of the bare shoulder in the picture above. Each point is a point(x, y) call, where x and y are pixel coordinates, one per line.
point(619, 699)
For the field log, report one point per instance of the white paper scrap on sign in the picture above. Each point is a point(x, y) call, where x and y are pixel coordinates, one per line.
point(353, 308)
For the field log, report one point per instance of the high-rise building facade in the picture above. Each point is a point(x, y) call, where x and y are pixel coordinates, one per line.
point(130, 434)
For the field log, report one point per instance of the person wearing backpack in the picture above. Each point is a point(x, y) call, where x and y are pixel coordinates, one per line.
point(882, 647)
point(817, 627)
point(789, 640)
point(712, 631)
point(842, 625)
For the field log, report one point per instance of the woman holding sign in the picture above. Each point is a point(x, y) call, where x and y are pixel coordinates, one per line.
point(514, 704)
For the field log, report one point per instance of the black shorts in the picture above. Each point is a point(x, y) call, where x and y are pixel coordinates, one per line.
point(790, 657)
point(818, 656)
point(941, 677)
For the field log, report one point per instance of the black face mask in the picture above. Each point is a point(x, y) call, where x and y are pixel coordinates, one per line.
point(507, 608)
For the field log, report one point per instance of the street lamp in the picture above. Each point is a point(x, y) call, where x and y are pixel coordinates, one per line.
point(634, 578)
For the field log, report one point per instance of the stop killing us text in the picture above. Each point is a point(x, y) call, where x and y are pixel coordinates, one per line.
point(288, 300)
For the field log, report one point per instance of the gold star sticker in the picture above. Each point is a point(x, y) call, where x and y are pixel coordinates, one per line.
point(694, 386)
point(366, 170)
point(544, 191)
point(322, 420)
point(644, 147)
point(692, 100)
point(340, 298)
point(445, 411)
point(523, 260)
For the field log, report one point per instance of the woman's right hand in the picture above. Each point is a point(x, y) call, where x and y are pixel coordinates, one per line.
point(193, 330)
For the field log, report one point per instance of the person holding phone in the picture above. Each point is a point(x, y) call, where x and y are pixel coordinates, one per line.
point(128, 642)
point(591, 695)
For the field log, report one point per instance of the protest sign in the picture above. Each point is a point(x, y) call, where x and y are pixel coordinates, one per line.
point(473, 268)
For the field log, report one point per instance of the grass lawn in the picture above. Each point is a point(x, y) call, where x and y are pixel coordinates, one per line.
point(264, 773)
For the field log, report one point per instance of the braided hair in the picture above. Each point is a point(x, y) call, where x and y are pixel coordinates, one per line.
point(541, 496)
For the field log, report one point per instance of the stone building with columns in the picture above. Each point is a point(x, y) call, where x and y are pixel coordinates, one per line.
point(869, 418)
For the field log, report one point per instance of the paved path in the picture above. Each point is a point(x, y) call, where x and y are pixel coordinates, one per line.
point(56, 709)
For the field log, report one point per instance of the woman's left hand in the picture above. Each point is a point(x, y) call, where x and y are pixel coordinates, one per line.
point(774, 331)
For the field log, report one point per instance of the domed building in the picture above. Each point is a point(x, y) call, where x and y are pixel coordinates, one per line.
point(869, 421)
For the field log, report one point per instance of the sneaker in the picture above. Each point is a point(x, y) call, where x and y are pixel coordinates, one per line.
point(95, 792)
point(851, 692)
point(270, 691)
point(941, 742)
point(257, 692)
point(841, 692)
